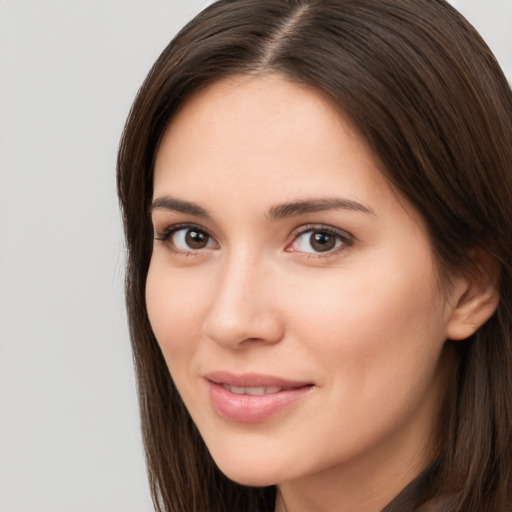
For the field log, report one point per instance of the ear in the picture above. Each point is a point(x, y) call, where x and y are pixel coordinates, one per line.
point(474, 297)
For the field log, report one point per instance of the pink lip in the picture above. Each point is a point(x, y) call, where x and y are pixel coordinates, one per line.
point(252, 408)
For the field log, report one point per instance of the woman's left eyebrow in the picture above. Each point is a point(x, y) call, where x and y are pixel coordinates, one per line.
point(290, 209)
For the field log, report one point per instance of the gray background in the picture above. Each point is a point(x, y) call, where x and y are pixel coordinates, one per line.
point(69, 69)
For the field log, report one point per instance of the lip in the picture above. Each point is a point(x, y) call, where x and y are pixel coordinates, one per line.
point(250, 408)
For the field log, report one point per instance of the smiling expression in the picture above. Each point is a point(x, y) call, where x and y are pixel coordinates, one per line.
point(294, 297)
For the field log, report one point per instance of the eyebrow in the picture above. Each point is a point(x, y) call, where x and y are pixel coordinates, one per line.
point(277, 212)
point(178, 205)
point(293, 208)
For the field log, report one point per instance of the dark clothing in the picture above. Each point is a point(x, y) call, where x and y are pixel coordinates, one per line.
point(410, 497)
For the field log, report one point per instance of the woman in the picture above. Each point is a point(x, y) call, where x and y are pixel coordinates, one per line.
point(319, 230)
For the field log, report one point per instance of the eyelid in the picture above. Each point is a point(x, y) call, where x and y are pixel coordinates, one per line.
point(163, 235)
point(346, 238)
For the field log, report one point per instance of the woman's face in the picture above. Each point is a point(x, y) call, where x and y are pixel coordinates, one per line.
point(292, 292)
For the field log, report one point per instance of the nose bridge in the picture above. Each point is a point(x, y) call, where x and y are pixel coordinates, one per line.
point(243, 307)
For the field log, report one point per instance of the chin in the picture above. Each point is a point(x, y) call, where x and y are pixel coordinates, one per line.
point(251, 480)
point(244, 472)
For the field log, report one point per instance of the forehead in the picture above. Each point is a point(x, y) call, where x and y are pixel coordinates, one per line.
point(246, 128)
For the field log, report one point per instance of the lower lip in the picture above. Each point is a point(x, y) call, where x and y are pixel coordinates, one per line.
point(252, 408)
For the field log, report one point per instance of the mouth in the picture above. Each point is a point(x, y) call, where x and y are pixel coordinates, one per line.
point(254, 391)
point(253, 398)
point(253, 381)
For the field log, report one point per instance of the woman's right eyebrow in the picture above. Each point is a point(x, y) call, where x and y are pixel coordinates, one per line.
point(178, 205)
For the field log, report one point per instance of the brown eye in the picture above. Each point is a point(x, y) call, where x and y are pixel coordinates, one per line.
point(322, 242)
point(319, 241)
point(191, 239)
point(196, 239)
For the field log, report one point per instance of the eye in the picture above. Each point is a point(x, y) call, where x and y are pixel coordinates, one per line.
point(191, 238)
point(319, 240)
point(187, 238)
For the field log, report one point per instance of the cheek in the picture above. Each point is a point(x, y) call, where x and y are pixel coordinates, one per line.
point(383, 324)
point(376, 341)
point(175, 309)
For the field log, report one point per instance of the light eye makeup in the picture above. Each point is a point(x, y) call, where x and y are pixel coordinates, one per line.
point(315, 240)
point(311, 240)
point(186, 238)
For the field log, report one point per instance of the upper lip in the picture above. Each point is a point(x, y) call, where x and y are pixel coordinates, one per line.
point(247, 380)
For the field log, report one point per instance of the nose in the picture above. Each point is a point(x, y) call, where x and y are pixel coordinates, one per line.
point(244, 309)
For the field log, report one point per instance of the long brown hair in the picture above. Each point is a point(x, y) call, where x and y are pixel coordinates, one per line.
point(426, 93)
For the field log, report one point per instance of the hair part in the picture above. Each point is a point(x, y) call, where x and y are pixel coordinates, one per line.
point(426, 93)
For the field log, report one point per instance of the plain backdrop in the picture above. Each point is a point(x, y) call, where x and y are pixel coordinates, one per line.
point(69, 70)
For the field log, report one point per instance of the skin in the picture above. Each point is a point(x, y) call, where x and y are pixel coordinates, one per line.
point(365, 322)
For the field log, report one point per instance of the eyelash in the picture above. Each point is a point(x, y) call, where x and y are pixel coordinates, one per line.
point(345, 238)
point(164, 236)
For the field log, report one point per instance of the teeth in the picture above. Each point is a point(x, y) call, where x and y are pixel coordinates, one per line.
point(272, 389)
point(255, 391)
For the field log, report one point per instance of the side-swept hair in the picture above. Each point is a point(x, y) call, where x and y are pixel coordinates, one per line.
point(426, 93)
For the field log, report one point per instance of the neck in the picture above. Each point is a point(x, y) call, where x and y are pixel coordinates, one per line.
point(372, 479)
point(343, 496)
point(367, 484)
